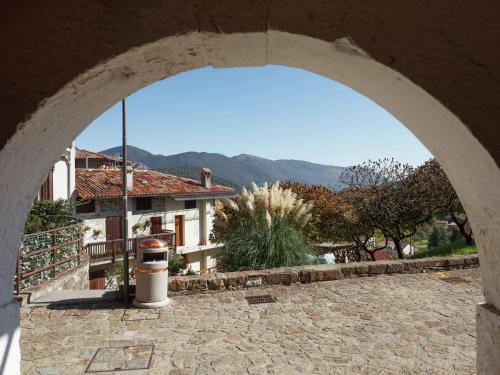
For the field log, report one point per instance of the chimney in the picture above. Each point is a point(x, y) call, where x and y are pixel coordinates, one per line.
point(206, 177)
point(130, 178)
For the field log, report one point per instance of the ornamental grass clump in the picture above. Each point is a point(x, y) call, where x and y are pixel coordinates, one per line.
point(263, 228)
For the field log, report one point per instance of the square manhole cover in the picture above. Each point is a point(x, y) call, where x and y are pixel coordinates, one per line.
point(263, 298)
point(141, 314)
point(123, 358)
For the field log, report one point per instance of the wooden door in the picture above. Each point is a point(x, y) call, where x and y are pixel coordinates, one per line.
point(179, 230)
point(97, 280)
point(156, 224)
point(113, 228)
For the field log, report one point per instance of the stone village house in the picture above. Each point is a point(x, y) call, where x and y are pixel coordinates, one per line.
point(157, 202)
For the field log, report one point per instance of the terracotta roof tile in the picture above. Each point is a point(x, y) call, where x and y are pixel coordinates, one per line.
point(107, 183)
point(382, 255)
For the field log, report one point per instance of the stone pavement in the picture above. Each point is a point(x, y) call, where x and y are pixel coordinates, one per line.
point(398, 324)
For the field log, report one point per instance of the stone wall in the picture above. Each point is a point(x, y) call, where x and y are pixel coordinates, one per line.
point(76, 279)
point(313, 273)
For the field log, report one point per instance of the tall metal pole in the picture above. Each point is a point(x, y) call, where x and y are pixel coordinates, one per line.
point(125, 207)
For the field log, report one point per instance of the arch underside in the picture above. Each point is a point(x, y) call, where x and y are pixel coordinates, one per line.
point(38, 143)
point(66, 64)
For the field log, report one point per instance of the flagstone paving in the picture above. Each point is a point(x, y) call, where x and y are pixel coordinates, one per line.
point(399, 324)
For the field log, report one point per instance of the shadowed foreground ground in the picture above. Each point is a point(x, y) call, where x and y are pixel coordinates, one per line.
point(399, 324)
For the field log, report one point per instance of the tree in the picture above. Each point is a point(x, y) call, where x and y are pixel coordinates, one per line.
point(324, 212)
point(438, 237)
point(392, 197)
point(263, 228)
point(335, 219)
point(432, 170)
point(45, 215)
point(353, 224)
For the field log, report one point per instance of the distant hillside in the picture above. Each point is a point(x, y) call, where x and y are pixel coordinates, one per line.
point(193, 172)
point(238, 170)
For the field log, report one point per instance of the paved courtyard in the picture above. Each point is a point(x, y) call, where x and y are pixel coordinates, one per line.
point(399, 324)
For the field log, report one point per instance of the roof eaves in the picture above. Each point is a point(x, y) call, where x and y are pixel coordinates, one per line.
point(195, 196)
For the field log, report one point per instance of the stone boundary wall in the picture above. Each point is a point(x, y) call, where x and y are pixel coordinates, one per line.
point(76, 278)
point(313, 273)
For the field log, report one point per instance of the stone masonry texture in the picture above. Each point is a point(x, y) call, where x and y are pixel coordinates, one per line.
point(314, 273)
point(415, 323)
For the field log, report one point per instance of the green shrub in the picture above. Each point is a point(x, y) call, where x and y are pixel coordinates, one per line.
point(255, 245)
point(264, 228)
point(175, 264)
point(455, 235)
point(439, 236)
point(451, 249)
point(46, 215)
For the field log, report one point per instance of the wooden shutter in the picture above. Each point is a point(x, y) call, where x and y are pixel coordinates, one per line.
point(179, 230)
point(113, 228)
point(156, 222)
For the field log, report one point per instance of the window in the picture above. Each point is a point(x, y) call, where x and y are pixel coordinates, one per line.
point(189, 204)
point(85, 207)
point(142, 204)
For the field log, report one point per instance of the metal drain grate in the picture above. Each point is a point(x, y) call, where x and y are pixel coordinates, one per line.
point(454, 280)
point(123, 358)
point(263, 298)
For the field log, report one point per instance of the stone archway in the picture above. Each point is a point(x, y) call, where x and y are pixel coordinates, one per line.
point(55, 88)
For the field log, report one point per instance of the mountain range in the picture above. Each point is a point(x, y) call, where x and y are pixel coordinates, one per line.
point(237, 170)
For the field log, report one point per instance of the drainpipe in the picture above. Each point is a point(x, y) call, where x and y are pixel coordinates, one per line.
point(68, 179)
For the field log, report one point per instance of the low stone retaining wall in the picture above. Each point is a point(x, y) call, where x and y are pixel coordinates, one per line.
point(311, 274)
point(76, 278)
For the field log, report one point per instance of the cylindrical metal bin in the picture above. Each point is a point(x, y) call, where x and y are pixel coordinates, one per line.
point(152, 274)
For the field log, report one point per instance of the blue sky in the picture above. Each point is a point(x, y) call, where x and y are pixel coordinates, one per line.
point(273, 112)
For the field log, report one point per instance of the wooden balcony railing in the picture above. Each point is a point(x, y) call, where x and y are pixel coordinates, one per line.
point(42, 255)
point(112, 250)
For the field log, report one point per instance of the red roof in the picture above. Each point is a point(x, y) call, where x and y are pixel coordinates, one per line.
point(107, 183)
point(381, 255)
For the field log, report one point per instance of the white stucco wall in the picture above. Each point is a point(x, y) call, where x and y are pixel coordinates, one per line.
point(202, 259)
point(72, 176)
point(60, 180)
point(199, 257)
point(165, 207)
point(63, 176)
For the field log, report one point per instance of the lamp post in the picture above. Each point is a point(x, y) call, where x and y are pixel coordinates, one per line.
point(125, 207)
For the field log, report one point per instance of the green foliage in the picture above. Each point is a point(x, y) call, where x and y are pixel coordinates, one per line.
point(190, 272)
point(46, 215)
point(424, 231)
point(439, 236)
point(451, 249)
point(33, 224)
point(175, 264)
point(96, 232)
point(114, 277)
point(65, 240)
point(256, 245)
point(137, 227)
point(394, 198)
point(455, 235)
point(263, 228)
